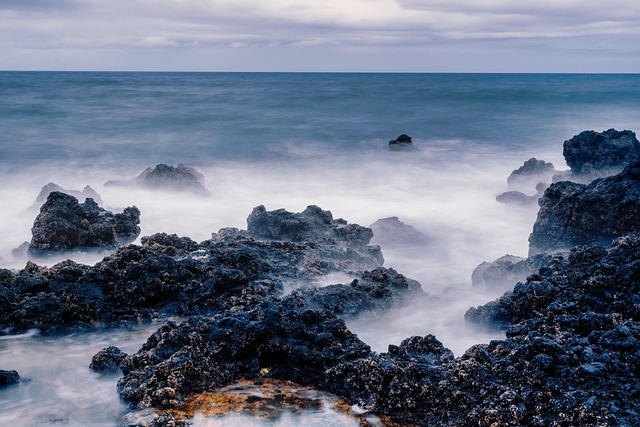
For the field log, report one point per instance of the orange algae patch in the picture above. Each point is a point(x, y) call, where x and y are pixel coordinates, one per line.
point(268, 399)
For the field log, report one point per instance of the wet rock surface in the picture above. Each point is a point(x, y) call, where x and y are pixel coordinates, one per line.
point(63, 224)
point(596, 154)
point(576, 214)
point(165, 177)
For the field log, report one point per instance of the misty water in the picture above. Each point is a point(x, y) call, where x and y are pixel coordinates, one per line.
point(286, 141)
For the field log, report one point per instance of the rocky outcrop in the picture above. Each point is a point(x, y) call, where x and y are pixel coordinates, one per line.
point(171, 275)
point(401, 143)
point(576, 214)
point(63, 224)
point(109, 359)
point(597, 154)
point(86, 193)
point(180, 178)
point(527, 183)
point(393, 233)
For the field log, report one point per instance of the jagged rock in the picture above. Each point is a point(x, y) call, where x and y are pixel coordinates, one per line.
point(506, 271)
point(109, 359)
point(86, 193)
point(391, 232)
point(171, 275)
point(596, 154)
point(9, 378)
point(63, 224)
point(576, 214)
point(164, 177)
point(256, 339)
point(403, 142)
point(532, 172)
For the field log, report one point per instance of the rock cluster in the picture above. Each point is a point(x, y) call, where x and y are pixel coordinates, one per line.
point(180, 178)
point(533, 175)
point(63, 224)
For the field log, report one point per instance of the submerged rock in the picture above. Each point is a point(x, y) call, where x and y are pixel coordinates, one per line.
point(164, 177)
point(403, 142)
point(393, 233)
point(576, 214)
point(596, 154)
point(63, 224)
point(86, 193)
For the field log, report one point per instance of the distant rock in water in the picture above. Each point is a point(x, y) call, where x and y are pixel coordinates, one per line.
point(87, 192)
point(574, 214)
point(533, 176)
point(516, 198)
point(63, 224)
point(391, 232)
point(165, 177)
point(597, 154)
point(403, 142)
point(9, 378)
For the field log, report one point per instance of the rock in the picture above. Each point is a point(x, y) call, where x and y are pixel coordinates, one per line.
point(178, 178)
point(596, 154)
point(532, 172)
point(506, 271)
point(21, 251)
point(109, 359)
point(393, 233)
point(403, 142)
point(254, 340)
point(576, 214)
point(86, 193)
point(63, 224)
point(516, 198)
point(8, 378)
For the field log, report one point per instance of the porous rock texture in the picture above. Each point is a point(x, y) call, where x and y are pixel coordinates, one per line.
point(63, 224)
point(576, 214)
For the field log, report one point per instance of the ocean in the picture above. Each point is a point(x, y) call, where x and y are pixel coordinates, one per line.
point(287, 140)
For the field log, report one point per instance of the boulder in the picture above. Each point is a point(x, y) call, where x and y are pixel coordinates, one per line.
point(180, 178)
point(86, 193)
point(8, 378)
point(401, 143)
point(506, 271)
point(109, 359)
point(393, 233)
point(63, 224)
point(532, 172)
point(596, 154)
point(576, 214)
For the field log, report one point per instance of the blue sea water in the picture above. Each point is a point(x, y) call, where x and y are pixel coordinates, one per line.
point(194, 117)
point(286, 141)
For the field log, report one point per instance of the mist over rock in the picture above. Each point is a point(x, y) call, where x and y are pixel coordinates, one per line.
point(170, 178)
point(506, 271)
point(86, 193)
point(401, 143)
point(391, 232)
point(597, 154)
point(527, 183)
point(63, 224)
point(576, 214)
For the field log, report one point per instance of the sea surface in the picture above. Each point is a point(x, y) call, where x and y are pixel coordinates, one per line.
point(286, 141)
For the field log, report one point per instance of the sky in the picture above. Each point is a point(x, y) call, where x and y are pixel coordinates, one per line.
point(321, 35)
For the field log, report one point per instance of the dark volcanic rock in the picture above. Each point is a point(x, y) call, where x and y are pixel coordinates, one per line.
point(531, 173)
point(108, 359)
point(391, 232)
point(255, 339)
point(86, 193)
point(403, 142)
point(165, 177)
point(63, 224)
point(576, 214)
point(9, 378)
point(600, 154)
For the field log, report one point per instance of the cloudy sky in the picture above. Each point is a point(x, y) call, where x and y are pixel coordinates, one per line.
point(321, 35)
